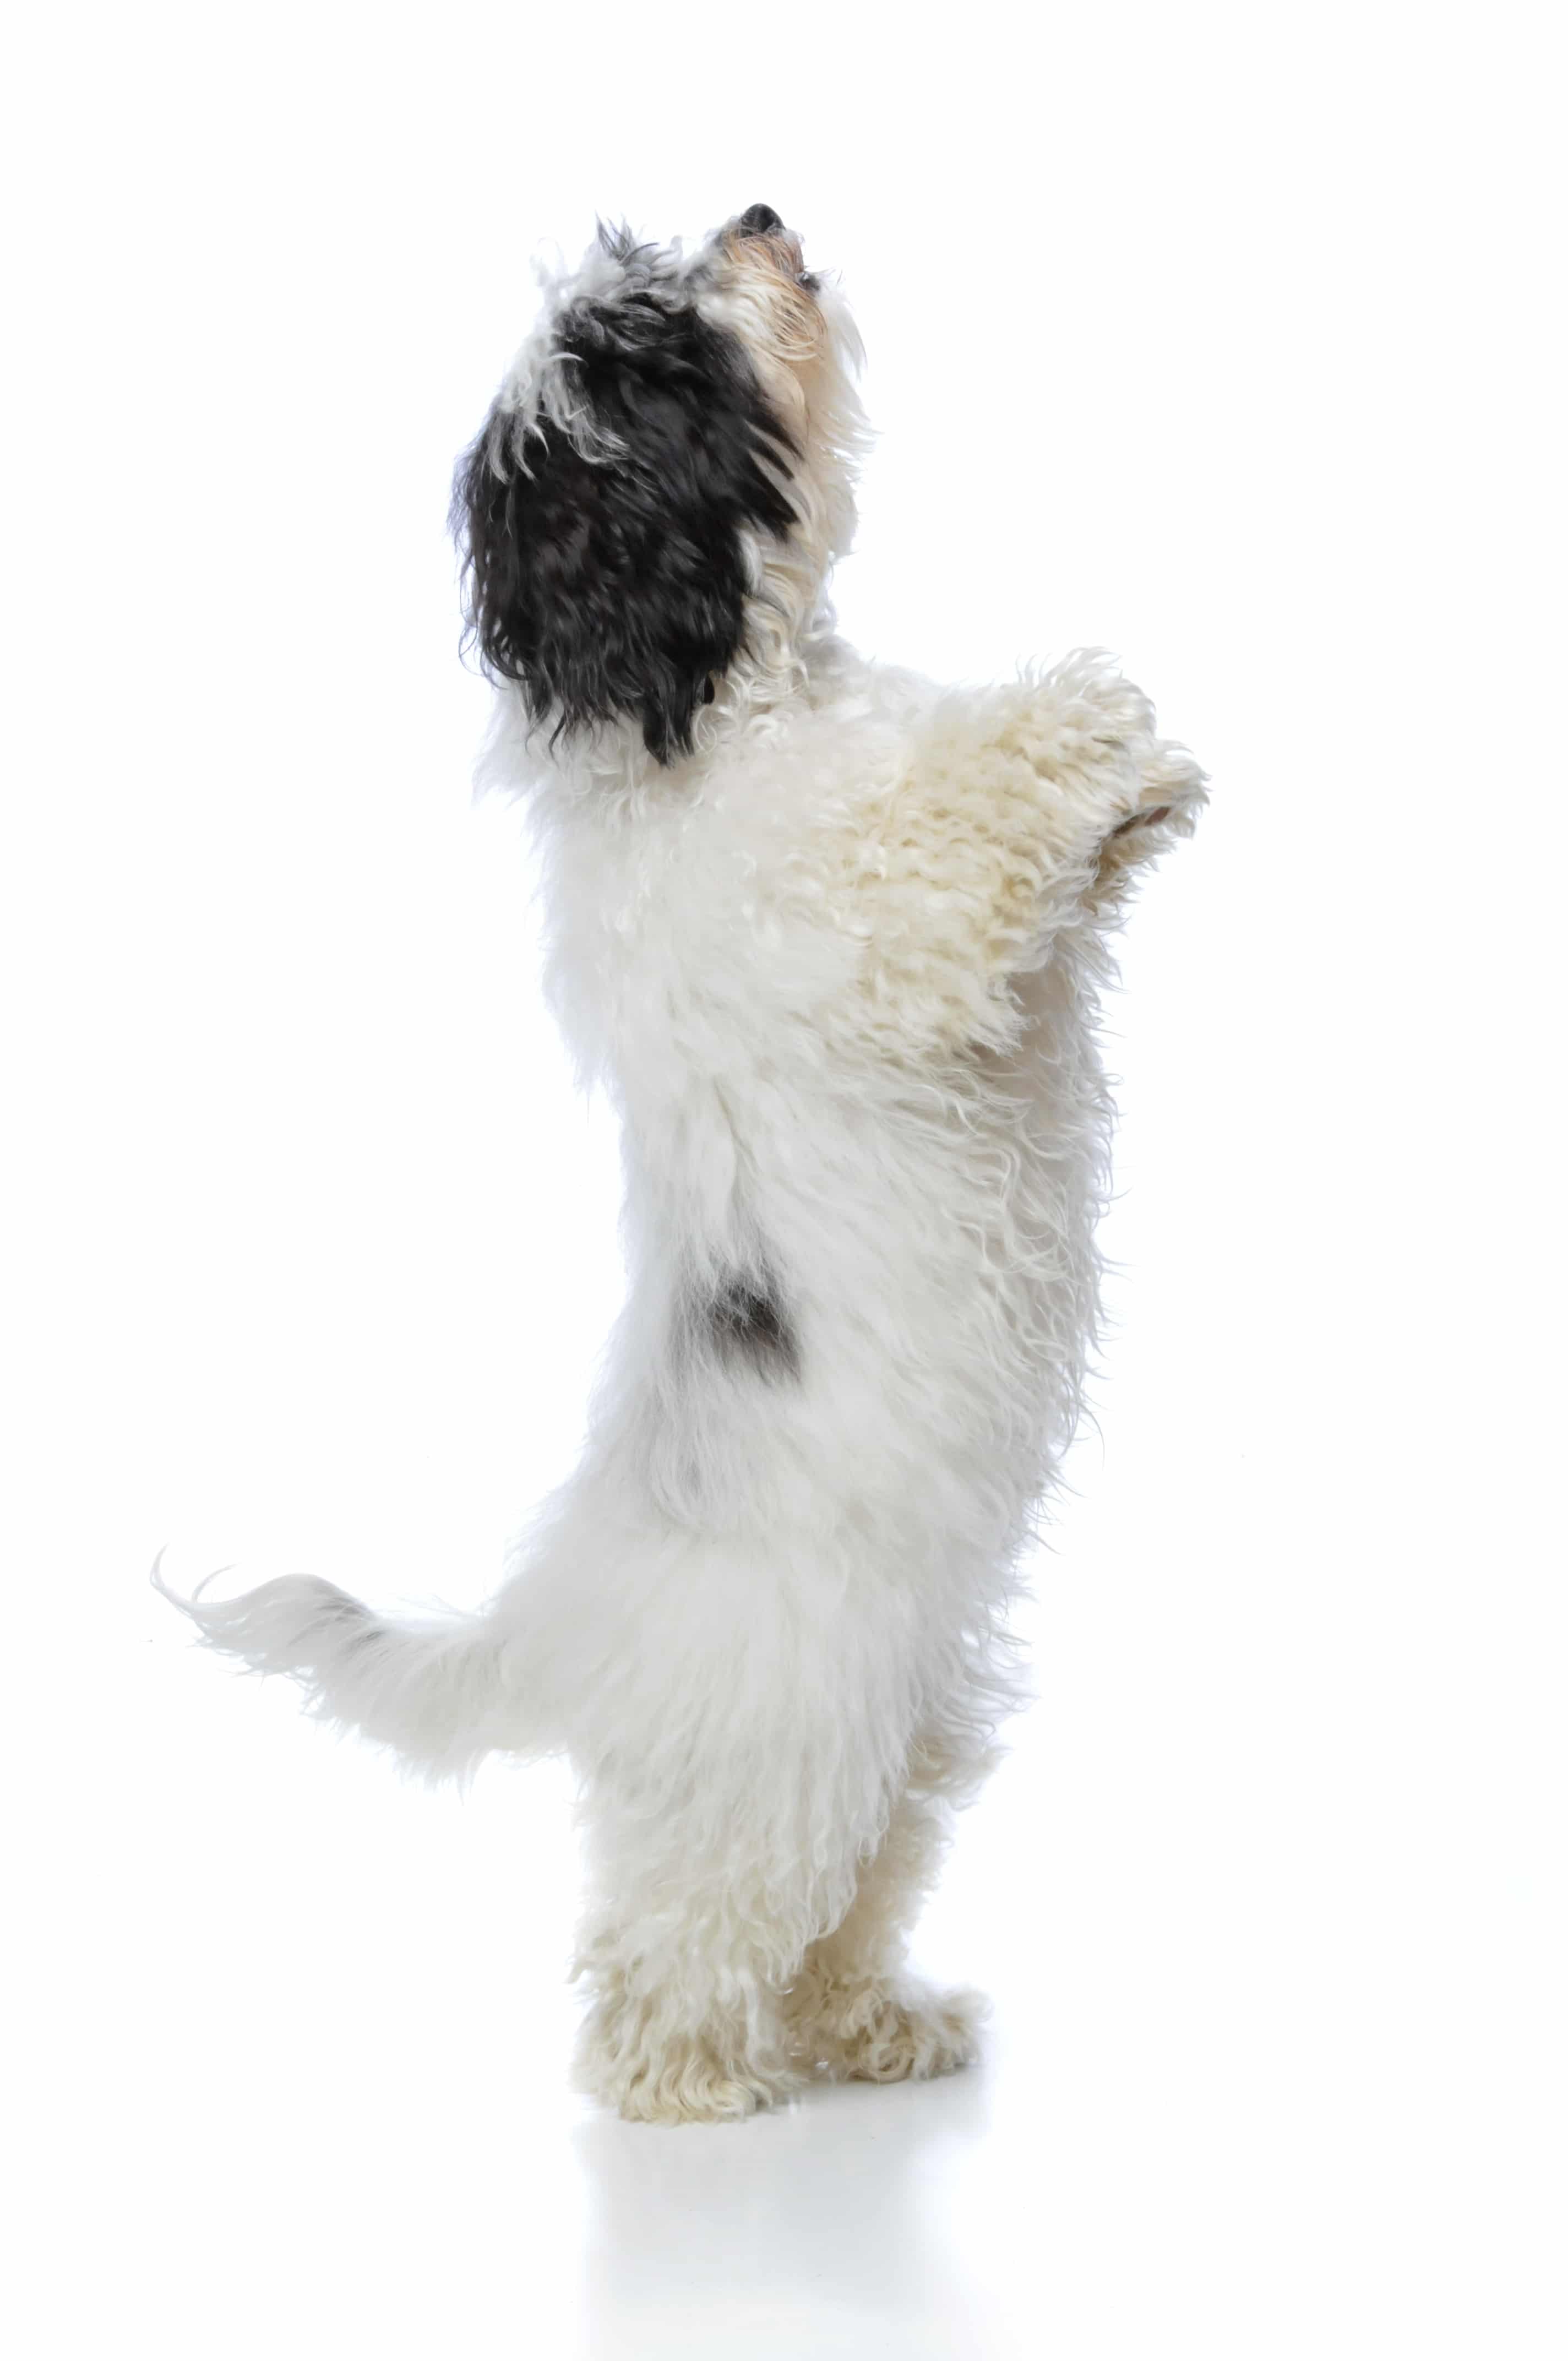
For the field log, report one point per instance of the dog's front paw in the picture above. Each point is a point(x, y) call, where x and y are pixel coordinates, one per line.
point(1163, 792)
point(1169, 788)
point(1116, 793)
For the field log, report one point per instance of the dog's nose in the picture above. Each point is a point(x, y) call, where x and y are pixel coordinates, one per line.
point(757, 220)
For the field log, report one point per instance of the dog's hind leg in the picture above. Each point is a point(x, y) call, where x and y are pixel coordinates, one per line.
point(854, 2010)
point(684, 2024)
point(701, 1920)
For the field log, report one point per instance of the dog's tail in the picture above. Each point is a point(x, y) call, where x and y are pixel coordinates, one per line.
point(441, 1694)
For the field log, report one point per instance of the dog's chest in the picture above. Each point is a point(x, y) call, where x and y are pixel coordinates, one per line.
point(672, 947)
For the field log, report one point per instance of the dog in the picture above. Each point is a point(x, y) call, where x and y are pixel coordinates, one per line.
point(833, 939)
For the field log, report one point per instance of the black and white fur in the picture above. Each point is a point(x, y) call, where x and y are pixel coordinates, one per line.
point(833, 937)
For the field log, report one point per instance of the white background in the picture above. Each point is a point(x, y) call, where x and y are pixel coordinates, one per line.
point(1226, 339)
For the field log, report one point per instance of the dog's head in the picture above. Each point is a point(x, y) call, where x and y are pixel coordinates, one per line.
point(651, 507)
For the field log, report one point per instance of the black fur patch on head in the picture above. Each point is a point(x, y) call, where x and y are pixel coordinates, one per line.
point(614, 587)
point(746, 1322)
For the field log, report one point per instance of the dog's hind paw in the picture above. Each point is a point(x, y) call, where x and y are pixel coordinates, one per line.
point(683, 2080)
point(897, 2031)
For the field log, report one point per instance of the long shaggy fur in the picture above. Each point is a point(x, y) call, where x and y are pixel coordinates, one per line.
point(833, 937)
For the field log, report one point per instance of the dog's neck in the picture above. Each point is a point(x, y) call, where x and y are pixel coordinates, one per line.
point(791, 632)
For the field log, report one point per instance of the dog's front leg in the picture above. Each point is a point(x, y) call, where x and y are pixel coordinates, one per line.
point(1021, 814)
point(1065, 777)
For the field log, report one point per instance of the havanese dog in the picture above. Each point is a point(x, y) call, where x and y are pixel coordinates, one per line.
point(833, 939)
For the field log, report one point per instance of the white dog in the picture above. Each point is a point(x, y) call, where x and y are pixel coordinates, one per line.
point(832, 936)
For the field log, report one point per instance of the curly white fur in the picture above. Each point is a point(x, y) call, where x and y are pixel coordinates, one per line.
point(839, 972)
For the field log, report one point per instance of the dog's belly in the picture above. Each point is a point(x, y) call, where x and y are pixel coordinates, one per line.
point(867, 1307)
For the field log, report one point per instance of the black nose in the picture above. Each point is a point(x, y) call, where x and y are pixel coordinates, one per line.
point(757, 220)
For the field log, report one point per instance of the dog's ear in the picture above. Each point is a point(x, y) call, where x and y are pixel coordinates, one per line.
point(603, 531)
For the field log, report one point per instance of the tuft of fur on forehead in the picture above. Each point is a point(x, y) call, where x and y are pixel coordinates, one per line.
point(611, 508)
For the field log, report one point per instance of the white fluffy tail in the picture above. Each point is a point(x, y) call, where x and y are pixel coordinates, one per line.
point(439, 1694)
